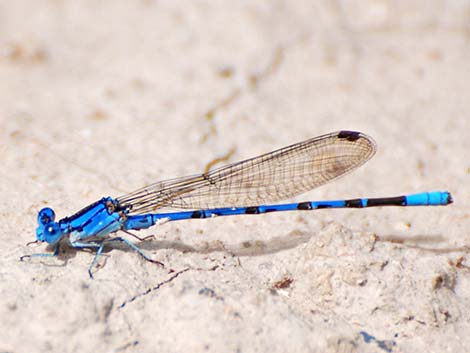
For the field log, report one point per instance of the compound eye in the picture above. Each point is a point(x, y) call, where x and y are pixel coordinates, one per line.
point(51, 233)
point(46, 215)
point(51, 229)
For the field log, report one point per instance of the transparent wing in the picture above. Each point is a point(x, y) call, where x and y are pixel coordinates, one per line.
point(270, 177)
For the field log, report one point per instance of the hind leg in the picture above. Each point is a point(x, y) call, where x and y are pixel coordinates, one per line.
point(133, 247)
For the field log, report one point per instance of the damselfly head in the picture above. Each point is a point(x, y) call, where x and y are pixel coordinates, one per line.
point(48, 230)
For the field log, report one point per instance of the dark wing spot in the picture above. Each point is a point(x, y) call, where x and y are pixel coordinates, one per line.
point(349, 135)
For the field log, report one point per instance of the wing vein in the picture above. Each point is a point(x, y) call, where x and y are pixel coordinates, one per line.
point(270, 177)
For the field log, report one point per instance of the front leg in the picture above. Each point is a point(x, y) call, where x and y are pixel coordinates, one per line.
point(53, 254)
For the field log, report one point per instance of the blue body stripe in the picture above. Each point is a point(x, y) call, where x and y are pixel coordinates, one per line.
point(436, 198)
